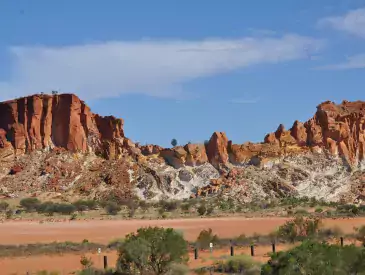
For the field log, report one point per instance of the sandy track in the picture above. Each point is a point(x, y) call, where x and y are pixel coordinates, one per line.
point(100, 231)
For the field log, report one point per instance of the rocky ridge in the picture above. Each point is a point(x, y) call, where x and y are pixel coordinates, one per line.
point(56, 144)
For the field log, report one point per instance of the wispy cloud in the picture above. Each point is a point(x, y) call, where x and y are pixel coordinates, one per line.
point(155, 68)
point(353, 62)
point(352, 22)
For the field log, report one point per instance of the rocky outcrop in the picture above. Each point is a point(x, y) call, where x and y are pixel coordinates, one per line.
point(217, 149)
point(45, 122)
point(56, 143)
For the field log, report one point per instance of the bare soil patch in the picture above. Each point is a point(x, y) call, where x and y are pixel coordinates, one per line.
point(101, 231)
point(104, 231)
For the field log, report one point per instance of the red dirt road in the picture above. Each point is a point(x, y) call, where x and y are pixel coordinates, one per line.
point(101, 231)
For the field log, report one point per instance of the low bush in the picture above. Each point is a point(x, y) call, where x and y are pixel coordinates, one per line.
point(178, 269)
point(202, 209)
point(318, 210)
point(299, 228)
point(30, 204)
point(3, 206)
point(317, 258)
point(112, 208)
point(205, 238)
point(83, 205)
point(49, 208)
point(241, 264)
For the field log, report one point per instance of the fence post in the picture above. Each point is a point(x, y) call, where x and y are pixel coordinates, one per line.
point(196, 253)
point(273, 248)
point(341, 241)
point(232, 250)
point(252, 250)
point(105, 262)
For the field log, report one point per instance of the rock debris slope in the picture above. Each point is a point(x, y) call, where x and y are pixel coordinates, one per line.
point(56, 145)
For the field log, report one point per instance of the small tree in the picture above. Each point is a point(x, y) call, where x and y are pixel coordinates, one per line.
point(152, 250)
point(174, 142)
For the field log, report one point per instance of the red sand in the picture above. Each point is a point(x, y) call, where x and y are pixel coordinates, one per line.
point(20, 232)
point(66, 264)
point(102, 231)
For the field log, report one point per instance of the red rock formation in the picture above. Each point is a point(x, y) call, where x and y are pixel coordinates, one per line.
point(64, 121)
point(217, 149)
point(196, 154)
point(44, 122)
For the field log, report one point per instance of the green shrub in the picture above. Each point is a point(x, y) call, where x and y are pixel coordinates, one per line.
point(317, 258)
point(360, 234)
point(85, 262)
point(238, 264)
point(30, 204)
point(169, 206)
point(205, 238)
point(299, 228)
point(112, 208)
point(64, 208)
point(144, 205)
point(202, 209)
point(178, 269)
point(83, 205)
point(185, 207)
point(318, 210)
point(9, 214)
point(210, 210)
point(152, 250)
point(3, 206)
point(47, 208)
point(301, 211)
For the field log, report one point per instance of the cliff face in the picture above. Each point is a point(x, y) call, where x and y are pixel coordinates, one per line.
point(45, 143)
point(44, 122)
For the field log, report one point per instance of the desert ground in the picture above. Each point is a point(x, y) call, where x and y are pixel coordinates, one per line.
point(20, 232)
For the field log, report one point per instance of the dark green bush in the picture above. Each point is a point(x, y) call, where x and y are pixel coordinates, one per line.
point(202, 209)
point(83, 205)
point(3, 206)
point(112, 208)
point(152, 250)
point(30, 204)
point(205, 238)
point(317, 258)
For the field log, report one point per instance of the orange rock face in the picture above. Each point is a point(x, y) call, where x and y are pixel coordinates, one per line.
point(338, 129)
point(217, 149)
point(44, 122)
point(64, 121)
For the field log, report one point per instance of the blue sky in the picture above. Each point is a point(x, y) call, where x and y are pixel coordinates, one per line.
point(184, 69)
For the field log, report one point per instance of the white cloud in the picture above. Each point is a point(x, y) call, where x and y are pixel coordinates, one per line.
point(155, 68)
point(353, 22)
point(353, 62)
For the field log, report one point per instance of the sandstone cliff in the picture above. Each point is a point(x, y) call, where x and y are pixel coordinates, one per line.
point(63, 121)
point(56, 144)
